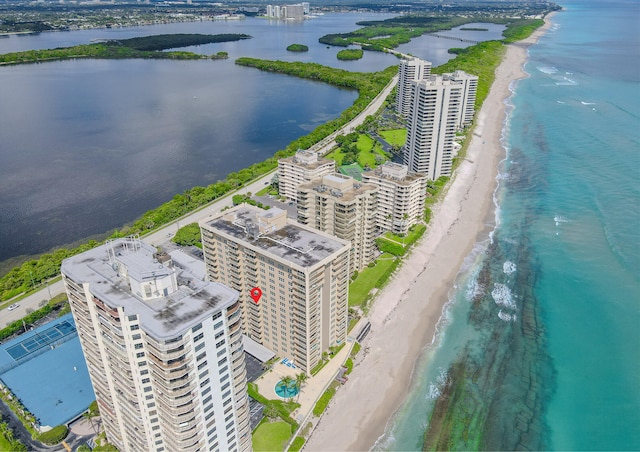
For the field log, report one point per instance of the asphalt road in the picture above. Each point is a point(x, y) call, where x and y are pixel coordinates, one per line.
point(162, 236)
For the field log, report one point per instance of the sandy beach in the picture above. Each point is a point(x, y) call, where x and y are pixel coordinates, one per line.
point(405, 314)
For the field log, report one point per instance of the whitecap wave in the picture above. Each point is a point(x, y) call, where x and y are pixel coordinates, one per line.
point(560, 219)
point(547, 69)
point(509, 267)
point(566, 81)
point(504, 316)
point(474, 290)
point(502, 295)
point(435, 388)
point(507, 317)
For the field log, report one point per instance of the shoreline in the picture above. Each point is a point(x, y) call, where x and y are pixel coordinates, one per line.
point(402, 326)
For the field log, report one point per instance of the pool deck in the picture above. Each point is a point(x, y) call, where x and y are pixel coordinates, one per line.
point(311, 390)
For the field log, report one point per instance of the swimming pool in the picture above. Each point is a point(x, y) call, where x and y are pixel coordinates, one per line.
point(286, 391)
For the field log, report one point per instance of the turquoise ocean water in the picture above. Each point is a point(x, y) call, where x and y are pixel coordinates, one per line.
point(539, 347)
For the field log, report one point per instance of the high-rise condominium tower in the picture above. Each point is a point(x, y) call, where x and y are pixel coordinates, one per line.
point(163, 349)
point(344, 207)
point(410, 70)
point(401, 196)
point(302, 167)
point(301, 275)
point(431, 126)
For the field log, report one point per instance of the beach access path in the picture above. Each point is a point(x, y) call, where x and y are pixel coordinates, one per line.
point(406, 312)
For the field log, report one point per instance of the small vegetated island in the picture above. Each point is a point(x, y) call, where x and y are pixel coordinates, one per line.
point(298, 48)
point(143, 47)
point(350, 54)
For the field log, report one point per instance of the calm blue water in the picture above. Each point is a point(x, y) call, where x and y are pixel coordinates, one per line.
point(559, 369)
point(89, 145)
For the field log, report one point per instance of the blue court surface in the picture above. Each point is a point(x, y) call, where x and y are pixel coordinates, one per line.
point(51, 380)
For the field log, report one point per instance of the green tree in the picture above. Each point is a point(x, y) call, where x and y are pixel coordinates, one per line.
point(188, 235)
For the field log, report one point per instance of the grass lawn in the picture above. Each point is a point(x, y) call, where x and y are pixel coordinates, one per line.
point(394, 137)
point(5, 444)
point(271, 436)
point(368, 149)
point(414, 233)
point(368, 279)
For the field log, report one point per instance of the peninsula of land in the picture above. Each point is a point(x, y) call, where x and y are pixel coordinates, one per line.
point(406, 313)
point(142, 47)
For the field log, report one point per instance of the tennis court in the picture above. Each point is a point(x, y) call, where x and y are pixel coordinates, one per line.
point(40, 340)
point(52, 382)
point(354, 170)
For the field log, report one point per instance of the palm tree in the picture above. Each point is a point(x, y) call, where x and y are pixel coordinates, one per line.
point(301, 378)
point(91, 414)
point(287, 382)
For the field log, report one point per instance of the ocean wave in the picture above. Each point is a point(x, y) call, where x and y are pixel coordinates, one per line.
point(502, 295)
point(509, 267)
point(474, 290)
point(435, 388)
point(547, 69)
point(588, 103)
point(559, 219)
point(507, 317)
point(566, 81)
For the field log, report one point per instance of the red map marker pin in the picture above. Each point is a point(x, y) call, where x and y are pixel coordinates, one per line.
point(256, 293)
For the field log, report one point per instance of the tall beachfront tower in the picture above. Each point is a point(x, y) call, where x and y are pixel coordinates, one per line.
point(410, 70)
point(299, 169)
point(298, 276)
point(467, 103)
point(344, 207)
point(401, 196)
point(431, 126)
point(163, 349)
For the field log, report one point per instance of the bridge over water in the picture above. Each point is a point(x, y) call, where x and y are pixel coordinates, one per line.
point(454, 38)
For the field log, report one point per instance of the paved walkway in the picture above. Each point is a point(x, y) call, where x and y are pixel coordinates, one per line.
point(312, 388)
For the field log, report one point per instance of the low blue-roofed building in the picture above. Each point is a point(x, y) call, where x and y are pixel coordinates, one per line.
point(50, 378)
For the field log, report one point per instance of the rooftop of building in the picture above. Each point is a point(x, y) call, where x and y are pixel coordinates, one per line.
point(342, 188)
point(274, 234)
point(161, 317)
point(308, 159)
point(395, 172)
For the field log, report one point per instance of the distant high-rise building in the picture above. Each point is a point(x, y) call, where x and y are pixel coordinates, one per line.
point(163, 349)
point(431, 126)
point(344, 207)
point(300, 274)
point(295, 12)
point(299, 169)
point(401, 196)
point(410, 70)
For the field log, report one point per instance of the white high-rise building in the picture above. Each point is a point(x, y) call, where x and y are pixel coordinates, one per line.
point(410, 70)
point(299, 169)
point(431, 126)
point(469, 89)
point(163, 348)
point(302, 275)
point(401, 196)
